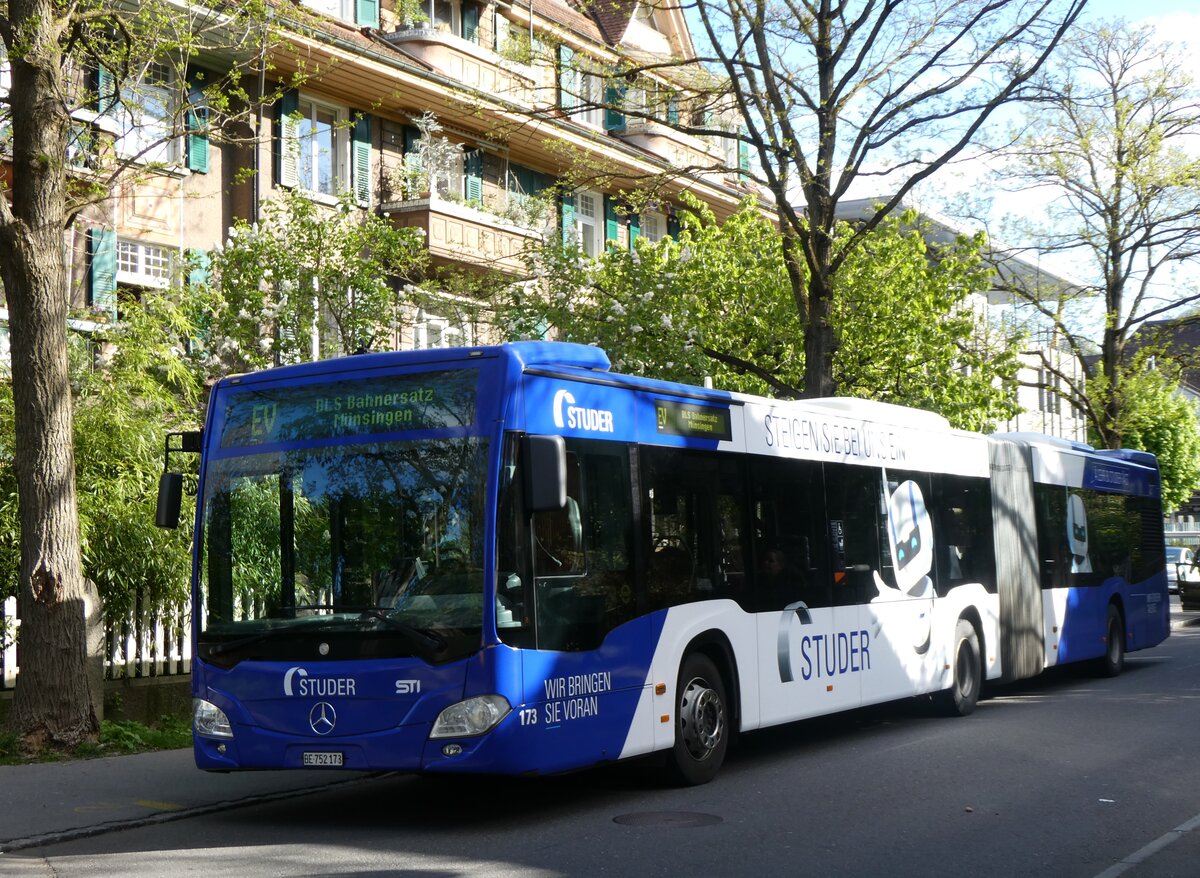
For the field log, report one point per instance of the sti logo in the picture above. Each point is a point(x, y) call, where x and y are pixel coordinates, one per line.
point(570, 416)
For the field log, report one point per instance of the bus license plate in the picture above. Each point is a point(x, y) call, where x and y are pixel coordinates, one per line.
point(323, 760)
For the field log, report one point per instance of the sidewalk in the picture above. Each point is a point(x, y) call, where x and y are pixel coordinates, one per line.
point(58, 801)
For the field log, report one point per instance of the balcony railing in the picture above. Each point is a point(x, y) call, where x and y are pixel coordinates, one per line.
point(457, 232)
point(469, 63)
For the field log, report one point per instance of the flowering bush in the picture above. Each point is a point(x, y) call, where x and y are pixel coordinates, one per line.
point(307, 282)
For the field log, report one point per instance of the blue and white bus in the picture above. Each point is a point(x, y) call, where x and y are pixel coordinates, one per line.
point(511, 560)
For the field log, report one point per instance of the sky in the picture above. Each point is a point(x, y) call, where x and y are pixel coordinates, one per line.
point(1177, 21)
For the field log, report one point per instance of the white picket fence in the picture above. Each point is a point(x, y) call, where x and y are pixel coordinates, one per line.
point(162, 648)
point(8, 648)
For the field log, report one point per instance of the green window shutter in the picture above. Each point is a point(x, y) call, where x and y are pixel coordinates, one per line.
point(198, 267)
point(366, 13)
point(470, 22)
point(673, 110)
point(197, 127)
point(102, 254)
point(743, 156)
point(673, 227)
point(635, 229)
point(614, 99)
point(568, 88)
point(473, 172)
point(287, 146)
point(568, 217)
point(360, 159)
point(106, 90)
point(612, 222)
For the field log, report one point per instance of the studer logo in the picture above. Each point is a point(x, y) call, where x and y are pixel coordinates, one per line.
point(570, 416)
point(297, 682)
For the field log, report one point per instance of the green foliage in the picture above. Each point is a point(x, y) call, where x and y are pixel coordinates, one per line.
point(271, 280)
point(665, 309)
point(907, 332)
point(131, 383)
point(1155, 418)
point(718, 302)
point(116, 738)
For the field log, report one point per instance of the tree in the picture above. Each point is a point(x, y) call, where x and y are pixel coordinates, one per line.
point(717, 302)
point(830, 95)
point(145, 383)
point(1155, 418)
point(1111, 143)
point(67, 59)
point(336, 293)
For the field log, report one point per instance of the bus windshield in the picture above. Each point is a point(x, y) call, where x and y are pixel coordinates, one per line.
point(375, 548)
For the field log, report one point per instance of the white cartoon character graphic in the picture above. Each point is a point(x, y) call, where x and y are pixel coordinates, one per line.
point(1077, 535)
point(911, 542)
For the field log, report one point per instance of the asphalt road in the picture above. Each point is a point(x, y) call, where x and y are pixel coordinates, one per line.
point(1064, 775)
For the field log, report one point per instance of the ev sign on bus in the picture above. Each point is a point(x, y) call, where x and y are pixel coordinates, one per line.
point(349, 408)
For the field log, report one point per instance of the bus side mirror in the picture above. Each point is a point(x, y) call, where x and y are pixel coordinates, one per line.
point(170, 484)
point(170, 494)
point(544, 460)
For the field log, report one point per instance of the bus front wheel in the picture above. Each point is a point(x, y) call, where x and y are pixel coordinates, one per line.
point(701, 722)
point(967, 666)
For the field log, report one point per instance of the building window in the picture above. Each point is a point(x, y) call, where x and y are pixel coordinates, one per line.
point(431, 331)
point(591, 100)
point(145, 115)
point(341, 9)
point(349, 11)
point(589, 225)
point(144, 265)
point(318, 139)
point(457, 17)
point(654, 225)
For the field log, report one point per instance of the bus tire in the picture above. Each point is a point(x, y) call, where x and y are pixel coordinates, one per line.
point(966, 665)
point(1113, 661)
point(701, 722)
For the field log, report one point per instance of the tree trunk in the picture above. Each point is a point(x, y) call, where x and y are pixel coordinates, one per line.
point(819, 341)
point(53, 700)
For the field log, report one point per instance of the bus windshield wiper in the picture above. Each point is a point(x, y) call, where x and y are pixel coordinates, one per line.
point(257, 637)
point(421, 635)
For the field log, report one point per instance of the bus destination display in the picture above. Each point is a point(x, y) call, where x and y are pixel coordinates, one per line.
point(389, 404)
point(693, 421)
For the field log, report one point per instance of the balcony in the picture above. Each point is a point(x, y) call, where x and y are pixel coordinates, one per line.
point(459, 233)
point(468, 63)
point(679, 149)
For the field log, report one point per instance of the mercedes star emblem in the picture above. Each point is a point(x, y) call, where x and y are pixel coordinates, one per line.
point(322, 718)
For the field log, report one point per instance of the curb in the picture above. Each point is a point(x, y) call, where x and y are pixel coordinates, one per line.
point(33, 841)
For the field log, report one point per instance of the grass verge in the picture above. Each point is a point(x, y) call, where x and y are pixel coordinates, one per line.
point(117, 737)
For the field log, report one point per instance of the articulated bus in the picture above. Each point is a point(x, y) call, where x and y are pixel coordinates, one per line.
point(512, 560)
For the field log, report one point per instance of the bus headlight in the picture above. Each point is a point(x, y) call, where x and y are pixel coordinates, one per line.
point(209, 720)
point(471, 717)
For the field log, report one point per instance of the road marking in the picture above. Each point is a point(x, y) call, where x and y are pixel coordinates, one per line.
point(158, 806)
point(1140, 856)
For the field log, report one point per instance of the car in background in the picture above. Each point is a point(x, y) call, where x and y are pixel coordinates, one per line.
point(1181, 567)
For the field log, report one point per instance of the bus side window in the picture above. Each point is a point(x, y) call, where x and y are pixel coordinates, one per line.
point(590, 590)
point(790, 548)
point(695, 512)
point(855, 500)
point(558, 533)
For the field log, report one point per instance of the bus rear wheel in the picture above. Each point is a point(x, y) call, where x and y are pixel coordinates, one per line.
point(1113, 661)
point(701, 722)
point(966, 664)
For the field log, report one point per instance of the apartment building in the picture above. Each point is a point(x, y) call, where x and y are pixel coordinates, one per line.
point(543, 121)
